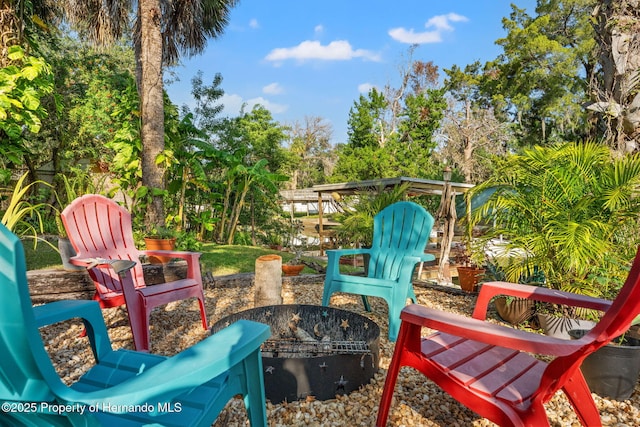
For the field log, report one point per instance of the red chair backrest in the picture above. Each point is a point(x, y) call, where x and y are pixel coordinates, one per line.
point(100, 228)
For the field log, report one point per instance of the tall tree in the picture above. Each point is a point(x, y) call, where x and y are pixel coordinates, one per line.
point(366, 120)
point(392, 133)
point(162, 31)
point(616, 89)
point(310, 150)
point(470, 126)
point(539, 81)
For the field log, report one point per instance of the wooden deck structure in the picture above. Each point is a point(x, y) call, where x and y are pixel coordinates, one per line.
point(417, 187)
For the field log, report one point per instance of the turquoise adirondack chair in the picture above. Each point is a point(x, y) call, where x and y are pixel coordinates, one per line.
point(124, 387)
point(400, 234)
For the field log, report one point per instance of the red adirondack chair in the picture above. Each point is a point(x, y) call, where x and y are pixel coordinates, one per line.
point(490, 369)
point(99, 229)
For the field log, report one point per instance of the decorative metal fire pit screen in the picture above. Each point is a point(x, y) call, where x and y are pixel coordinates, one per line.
point(313, 350)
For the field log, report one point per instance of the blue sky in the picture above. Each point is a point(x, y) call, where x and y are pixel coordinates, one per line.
point(314, 58)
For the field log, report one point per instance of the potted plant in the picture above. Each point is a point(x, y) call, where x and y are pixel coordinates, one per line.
point(294, 266)
point(160, 238)
point(568, 210)
point(469, 269)
point(612, 371)
point(512, 310)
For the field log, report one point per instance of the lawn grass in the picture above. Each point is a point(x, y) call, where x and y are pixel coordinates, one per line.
point(233, 259)
point(42, 256)
point(220, 260)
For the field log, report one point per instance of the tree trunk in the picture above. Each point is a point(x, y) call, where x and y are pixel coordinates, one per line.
point(235, 215)
point(268, 281)
point(617, 25)
point(225, 209)
point(150, 88)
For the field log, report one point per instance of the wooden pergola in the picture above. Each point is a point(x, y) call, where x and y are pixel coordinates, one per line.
point(416, 187)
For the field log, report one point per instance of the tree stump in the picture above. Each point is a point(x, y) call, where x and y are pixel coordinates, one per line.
point(268, 280)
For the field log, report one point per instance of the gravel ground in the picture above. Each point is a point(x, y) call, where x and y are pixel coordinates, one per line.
point(417, 401)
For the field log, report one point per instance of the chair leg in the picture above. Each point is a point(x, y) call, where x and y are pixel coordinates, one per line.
point(579, 395)
point(394, 322)
point(203, 312)
point(326, 294)
point(139, 322)
point(392, 377)
point(254, 400)
point(365, 301)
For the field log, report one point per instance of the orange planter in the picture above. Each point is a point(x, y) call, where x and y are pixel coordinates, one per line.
point(292, 270)
point(159, 245)
point(469, 277)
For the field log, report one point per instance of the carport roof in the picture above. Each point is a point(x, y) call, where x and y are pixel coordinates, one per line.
point(417, 186)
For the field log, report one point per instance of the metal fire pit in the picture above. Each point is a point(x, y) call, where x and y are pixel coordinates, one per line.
point(313, 350)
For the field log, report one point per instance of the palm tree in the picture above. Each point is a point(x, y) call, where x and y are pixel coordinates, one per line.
point(568, 210)
point(161, 32)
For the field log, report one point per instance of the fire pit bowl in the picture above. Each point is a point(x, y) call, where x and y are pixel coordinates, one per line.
point(313, 350)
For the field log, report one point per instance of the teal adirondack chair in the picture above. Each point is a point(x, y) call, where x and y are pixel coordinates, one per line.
point(400, 234)
point(125, 387)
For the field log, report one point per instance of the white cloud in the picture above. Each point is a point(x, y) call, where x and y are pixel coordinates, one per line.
point(319, 29)
point(365, 87)
point(271, 106)
point(440, 23)
point(272, 89)
point(254, 23)
point(339, 50)
point(233, 103)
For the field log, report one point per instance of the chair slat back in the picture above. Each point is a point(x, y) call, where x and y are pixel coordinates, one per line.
point(20, 377)
point(401, 229)
point(100, 228)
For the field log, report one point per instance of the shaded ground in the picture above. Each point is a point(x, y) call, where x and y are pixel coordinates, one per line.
point(417, 402)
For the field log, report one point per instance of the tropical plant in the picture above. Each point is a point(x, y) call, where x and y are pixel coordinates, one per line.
point(21, 216)
point(22, 85)
point(570, 211)
point(356, 224)
point(160, 36)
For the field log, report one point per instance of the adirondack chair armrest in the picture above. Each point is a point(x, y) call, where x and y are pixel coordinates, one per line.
point(88, 311)
point(335, 254)
point(192, 259)
point(120, 266)
point(333, 259)
point(188, 256)
point(489, 290)
point(489, 333)
point(193, 366)
point(427, 257)
point(408, 265)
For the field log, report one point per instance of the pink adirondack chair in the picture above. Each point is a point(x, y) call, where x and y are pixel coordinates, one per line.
point(99, 229)
point(490, 369)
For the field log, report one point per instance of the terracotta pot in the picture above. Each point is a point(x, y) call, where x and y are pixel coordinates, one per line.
point(514, 310)
point(468, 278)
point(292, 270)
point(161, 245)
